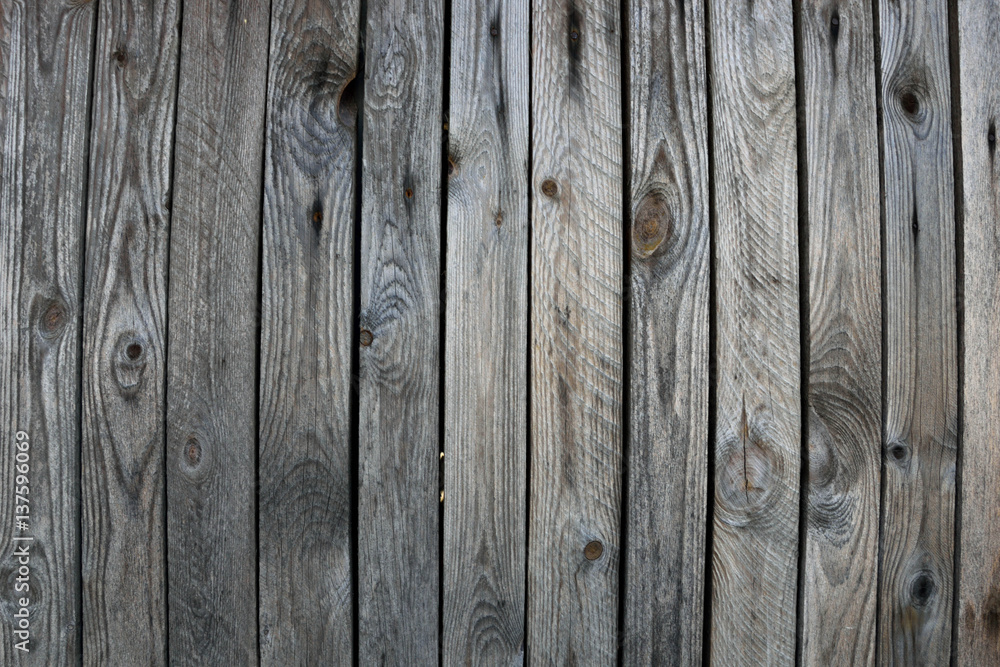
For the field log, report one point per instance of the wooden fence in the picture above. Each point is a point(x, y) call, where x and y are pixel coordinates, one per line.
point(425, 332)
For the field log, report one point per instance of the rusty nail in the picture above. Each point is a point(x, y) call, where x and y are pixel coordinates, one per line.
point(593, 550)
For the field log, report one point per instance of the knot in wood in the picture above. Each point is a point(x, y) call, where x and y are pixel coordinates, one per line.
point(366, 337)
point(549, 187)
point(52, 322)
point(593, 550)
point(652, 226)
point(193, 451)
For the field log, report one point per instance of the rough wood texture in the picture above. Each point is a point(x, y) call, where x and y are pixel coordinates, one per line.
point(211, 407)
point(45, 66)
point(399, 469)
point(306, 329)
point(758, 418)
point(576, 336)
point(486, 381)
point(845, 334)
point(921, 390)
point(668, 448)
point(979, 571)
point(124, 606)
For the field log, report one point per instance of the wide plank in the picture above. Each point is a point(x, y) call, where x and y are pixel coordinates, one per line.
point(920, 423)
point(486, 328)
point(669, 382)
point(757, 413)
point(844, 373)
point(306, 334)
point(124, 344)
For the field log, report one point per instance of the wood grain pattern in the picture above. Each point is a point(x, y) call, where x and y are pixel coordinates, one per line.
point(844, 385)
point(211, 411)
point(758, 417)
point(45, 69)
point(124, 606)
point(576, 336)
point(399, 469)
point(921, 390)
point(669, 219)
point(306, 332)
point(978, 640)
point(486, 325)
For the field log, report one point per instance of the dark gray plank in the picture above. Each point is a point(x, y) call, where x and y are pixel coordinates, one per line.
point(844, 336)
point(979, 569)
point(399, 476)
point(124, 346)
point(921, 358)
point(758, 414)
point(576, 337)
point(668, 452)
point(45, 68)
point(211, 407)
point(306, 332)
point(486, 326)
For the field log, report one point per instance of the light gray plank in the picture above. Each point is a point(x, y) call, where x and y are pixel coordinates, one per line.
point(306, 331)
point(845, 334)
point(758, 416)
point(486, 327)
point(668, 449)
point(921, 385)
point(124, 346)
point(576, 336)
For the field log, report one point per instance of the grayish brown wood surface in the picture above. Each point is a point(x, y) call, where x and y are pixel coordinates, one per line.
point(979, 567)
point(669, 243)
point(576, 335)
point(486, 326)
point(45, 68)
point(124, 605)
point(306, 329)
point(844, 336)
point(757, 439)
point(212, 337)
point(921, 383)
point(399, 440)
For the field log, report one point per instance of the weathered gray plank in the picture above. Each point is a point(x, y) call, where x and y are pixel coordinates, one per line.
point(576, 353)
point(45, 67)
point(921, 399)
point(486, 381)
point(668, 448)
point(306, 332)
point(758, 417)
point(399, 475)
point(845, 334)
point(979, 568)
point(212, 337)
point(124, 607)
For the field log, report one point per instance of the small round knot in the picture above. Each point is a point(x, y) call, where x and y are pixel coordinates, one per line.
point(120, 56)
point(53, 320)
point(193, 451)
point(910, 103)
point(593, 550)
point(549, 187)
point(409, 193)
point(366, 337)
point(133, 351)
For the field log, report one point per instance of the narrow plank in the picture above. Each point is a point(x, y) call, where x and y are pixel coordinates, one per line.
point(306, 332)
point(844, 336)
point(46, 69)
point(486, 325)
point(921, 358)
point(979, 569)
point(758, 412)
point(399, 470)
point(124, 605)
point(576, 337)
point(211, 374)
point(669, 222)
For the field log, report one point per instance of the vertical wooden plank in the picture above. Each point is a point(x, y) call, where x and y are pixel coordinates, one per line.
point(306, 332)
point(921, 390)
point(576, 337)
point(486, 327)
point(45, 67)
point(758, 418)
point(399, 475)
point(124, 613)
point(844, 336)
point(211, 407)
point(979, 571)
point(668, 449)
